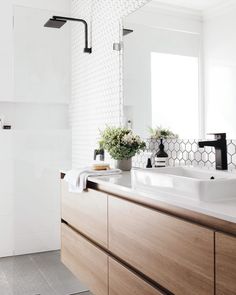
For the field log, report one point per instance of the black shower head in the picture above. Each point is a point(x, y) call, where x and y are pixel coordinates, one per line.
point(127, 32)
point(55, 23)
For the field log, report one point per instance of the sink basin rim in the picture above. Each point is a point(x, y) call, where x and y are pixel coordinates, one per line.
point(197, 189)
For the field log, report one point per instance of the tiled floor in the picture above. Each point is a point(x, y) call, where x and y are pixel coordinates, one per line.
point(38, 274)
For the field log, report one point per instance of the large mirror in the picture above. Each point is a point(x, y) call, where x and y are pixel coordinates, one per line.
point(180, 67)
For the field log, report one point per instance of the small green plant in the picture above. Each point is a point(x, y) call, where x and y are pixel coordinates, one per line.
point(121, 143)
point(162, 133)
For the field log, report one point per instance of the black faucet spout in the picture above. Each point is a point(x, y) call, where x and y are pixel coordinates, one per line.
point(213, 143)
point(220, 145)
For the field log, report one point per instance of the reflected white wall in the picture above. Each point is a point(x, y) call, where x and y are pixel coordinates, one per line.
point(220, 72)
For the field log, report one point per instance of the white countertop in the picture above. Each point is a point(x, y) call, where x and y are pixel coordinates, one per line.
point(224, 210)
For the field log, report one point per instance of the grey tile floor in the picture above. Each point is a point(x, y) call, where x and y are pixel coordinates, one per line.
point(38, 274)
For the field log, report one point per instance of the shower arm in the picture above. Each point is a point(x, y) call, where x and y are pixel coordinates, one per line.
point(86, 49)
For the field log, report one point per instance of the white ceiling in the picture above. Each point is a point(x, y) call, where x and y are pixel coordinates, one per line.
point(194, 4)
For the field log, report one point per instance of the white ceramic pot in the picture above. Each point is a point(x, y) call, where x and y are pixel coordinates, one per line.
point(124, 165)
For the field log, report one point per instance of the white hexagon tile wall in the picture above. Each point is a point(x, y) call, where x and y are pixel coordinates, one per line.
point(97, 77)
point(186, 152)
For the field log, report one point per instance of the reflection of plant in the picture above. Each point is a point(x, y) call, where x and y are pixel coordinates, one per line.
point(164, 133)
point(121, 143)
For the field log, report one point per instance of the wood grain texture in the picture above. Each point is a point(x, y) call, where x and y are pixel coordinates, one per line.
point(216, 224)
point(176, 254)
point(86, 262)
point(225, 264)
point(86, 212)
point(123, 281)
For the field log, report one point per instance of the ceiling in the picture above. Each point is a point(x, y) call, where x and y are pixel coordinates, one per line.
point(193, 4)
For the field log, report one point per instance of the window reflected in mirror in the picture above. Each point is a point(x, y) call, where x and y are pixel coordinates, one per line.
point(174, 93)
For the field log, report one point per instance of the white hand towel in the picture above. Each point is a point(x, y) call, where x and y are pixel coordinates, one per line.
point(77, 179)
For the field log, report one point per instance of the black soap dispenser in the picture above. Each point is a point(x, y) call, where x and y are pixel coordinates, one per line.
point(161, 156)
point(149, 163)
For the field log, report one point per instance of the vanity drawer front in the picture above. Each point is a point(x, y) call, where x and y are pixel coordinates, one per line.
point(86, 261)
point(225, 265)
point(123, 281)
point(176, 254)
point(86, 212)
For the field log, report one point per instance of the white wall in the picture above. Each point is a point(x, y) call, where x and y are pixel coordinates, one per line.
point(157, 15)
point(29, 190)
point(6, 37)
point(175, 34)
point(42, 57)
point(32, 153)
point(220, 71)
point(35, 116)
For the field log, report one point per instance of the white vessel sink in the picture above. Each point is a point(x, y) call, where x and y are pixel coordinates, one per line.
point(194, 183)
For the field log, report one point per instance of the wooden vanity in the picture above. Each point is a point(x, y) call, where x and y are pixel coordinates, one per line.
point(119, 246)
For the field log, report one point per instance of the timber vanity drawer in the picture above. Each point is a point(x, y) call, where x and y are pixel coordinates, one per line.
point(176, 254)
point(86, 212)
point(225, 264)
point(85, 260)
point(124, 282)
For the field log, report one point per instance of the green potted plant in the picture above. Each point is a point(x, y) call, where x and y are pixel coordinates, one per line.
point(122, 144)
point(161, 133)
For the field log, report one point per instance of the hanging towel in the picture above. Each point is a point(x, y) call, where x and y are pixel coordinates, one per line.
point(77, 179)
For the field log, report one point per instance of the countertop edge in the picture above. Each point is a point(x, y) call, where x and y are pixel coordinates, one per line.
point(189, 215)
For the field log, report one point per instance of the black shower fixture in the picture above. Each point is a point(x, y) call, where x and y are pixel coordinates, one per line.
point(127, 32)
point(57, 22)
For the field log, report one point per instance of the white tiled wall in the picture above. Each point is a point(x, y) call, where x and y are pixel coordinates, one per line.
point(6, 195)
point(38, 156)
point(30, 190)
point(31, 154)
point(97, 78)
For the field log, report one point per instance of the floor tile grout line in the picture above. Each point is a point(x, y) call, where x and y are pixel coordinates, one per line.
point(38, 268)
point(42, 274)
point(7, 274)
point(80, 293)
point(45, 277)
point(14, 263)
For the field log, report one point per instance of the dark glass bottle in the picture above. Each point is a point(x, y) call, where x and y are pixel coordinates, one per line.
point(161, 156)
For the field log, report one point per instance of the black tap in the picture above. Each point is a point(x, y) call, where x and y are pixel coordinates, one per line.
point(220, 146)
point(99, 152)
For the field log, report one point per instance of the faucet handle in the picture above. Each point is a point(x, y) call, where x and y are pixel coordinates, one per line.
point(218, 135)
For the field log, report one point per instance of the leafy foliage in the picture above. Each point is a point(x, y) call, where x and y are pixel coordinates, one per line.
point(162, 133)
point(121, 143)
